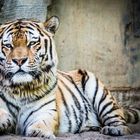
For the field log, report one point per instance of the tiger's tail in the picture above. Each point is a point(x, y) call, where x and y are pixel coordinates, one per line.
point(132, 115)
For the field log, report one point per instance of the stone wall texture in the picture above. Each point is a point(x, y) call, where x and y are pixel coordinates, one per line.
point(91, 36)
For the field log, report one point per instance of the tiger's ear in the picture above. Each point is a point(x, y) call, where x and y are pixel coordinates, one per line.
point(52, 24)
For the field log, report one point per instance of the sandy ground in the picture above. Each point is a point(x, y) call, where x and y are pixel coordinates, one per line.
point(81, 136)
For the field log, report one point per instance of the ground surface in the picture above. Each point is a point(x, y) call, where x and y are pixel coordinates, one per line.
point(84, 136)
point(81, 136)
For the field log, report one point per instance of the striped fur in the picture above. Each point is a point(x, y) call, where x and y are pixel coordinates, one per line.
point(38, 100)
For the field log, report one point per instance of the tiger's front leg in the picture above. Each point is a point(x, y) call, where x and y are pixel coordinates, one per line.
point(42, 128)
point(7, 123)
point(40, 125)
point(39, 121)
point(7, 120)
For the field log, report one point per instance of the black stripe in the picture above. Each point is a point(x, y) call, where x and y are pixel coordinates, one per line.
point(63, 99)
point(67, 112)
point(69, 121)
point(110, 111)
point(95, 93)
point(38, 43)
point(9, 108)
point(32, 112)
point(104, 107)
point(9, 30)
point(112, 117)
point(128, 118)
point(38, 48)
point(1, 64)
point(70, 79)
point(116, 121)
point(11, 111)
point(105, 93)
point(40, 32)
point(85, 78)
point(1, 59)
point(37, 27)
point(85, 101)
point(28, 124)
point(3, 51)
point(53, 110)
point(46, 45)
point(135, 114)
point(9, 103)
point(19, 27)
point(30, 28)
point(77, 104)
point(48, 68)
point(42, 56)
point(78, 119)
point(10, 33)
point(30, 32)
point(73, 96)
point(51, 48)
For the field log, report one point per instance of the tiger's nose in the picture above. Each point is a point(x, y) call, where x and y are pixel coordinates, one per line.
point(20, 61)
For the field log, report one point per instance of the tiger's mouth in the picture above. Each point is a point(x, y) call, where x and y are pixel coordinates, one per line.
point(21, 72)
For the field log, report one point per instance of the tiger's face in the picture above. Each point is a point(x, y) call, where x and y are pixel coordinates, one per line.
point(27, 49)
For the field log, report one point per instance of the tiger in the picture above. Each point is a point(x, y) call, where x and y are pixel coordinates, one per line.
point(38, 100)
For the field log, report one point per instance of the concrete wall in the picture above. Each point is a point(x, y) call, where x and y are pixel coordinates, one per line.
point(91, 36)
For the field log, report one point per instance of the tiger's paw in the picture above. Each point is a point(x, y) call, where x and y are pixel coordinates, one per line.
point(6, 122)
point(38, 132)
point(116, 130)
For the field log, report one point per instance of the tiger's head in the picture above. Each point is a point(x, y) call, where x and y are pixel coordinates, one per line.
point(27, 49)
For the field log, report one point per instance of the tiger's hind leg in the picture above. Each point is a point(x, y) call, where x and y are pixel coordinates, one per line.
point(111, 116)
point(109, 113)
point(7, 124)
